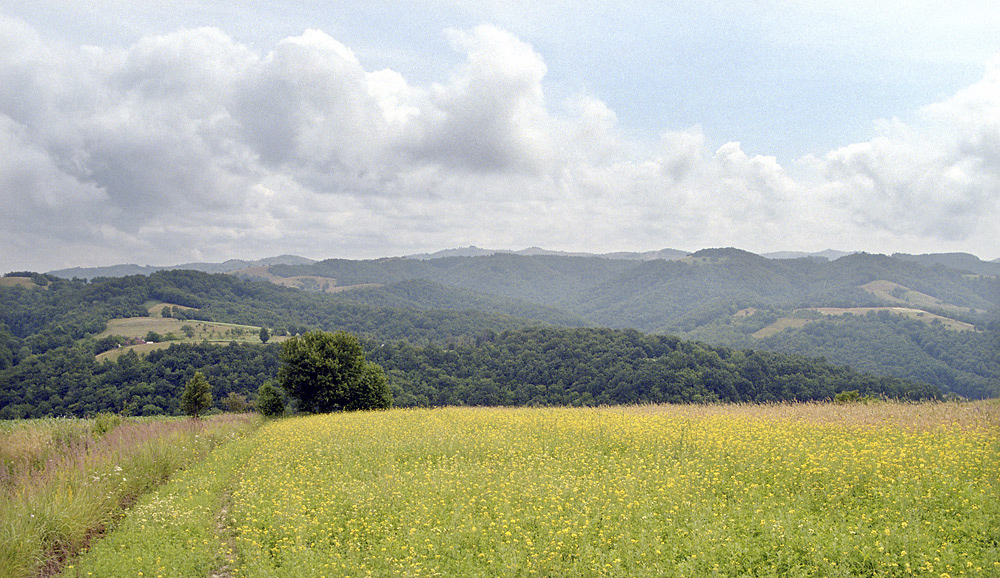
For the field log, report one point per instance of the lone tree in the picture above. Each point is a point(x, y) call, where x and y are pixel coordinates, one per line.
point(197, 396)
point(328, 372)
point(264, 334)
point(269, 402)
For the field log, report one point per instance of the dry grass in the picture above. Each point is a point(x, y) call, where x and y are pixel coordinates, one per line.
point(779, 326)
point(173, 330)
point(141, 349)
point(202, 330)
point(885, 290)
point(157, 308)
point(19, 282)
point(909, 312)
point(917, 314)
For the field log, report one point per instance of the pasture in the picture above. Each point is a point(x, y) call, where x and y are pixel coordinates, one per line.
point(175, 330)
point(784, 490)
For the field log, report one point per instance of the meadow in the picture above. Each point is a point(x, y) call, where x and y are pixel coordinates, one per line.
point(66, 482)
point(784, 490)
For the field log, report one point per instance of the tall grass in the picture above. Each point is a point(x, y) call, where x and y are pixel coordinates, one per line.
point(63, 482)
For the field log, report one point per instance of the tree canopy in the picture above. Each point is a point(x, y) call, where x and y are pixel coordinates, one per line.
point(328, 372)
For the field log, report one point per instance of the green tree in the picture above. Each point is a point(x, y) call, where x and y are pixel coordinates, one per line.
point(269, 402)
point(328, 372)
point(197, 396)
point(264, 335)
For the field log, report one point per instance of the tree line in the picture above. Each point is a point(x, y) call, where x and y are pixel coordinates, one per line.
point(530, 366)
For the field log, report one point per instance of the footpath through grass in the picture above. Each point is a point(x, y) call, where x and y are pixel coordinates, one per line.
point(65, 482)
point(787, 490)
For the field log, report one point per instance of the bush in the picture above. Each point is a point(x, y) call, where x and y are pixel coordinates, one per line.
point(269, 402)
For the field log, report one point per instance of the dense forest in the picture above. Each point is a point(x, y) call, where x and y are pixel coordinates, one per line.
point(436, 344)
point(963, 362)
point(534, 366)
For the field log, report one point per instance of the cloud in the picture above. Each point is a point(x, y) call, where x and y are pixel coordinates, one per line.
point(938, 176)
point(491, 116)
point(191, 145)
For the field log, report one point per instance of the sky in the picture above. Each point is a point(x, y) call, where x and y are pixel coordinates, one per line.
point(159, 133)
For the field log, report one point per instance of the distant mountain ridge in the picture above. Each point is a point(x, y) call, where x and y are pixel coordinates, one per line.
point(224, 267)
point(829, 255)
point(958, 261)
point(473, 251)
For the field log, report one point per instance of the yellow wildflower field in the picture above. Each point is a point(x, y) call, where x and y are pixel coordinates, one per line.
point(788, 490)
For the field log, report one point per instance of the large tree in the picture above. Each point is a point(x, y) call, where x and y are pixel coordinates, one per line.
point(328, 372)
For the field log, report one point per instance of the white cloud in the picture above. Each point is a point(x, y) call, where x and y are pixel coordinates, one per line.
point(938, 177)
point(190, 144)
point(491, 116)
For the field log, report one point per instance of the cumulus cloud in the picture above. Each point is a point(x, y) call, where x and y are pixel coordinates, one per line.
point(190, 145)
point(938, 176)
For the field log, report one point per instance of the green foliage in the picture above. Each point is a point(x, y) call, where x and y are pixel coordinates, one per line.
point(264, 335)
point(197, 396)
point(453, 313)
point(961, 362)
point(604, 367)
point(853, 396)
point(236, 403)
point(328, 372)
point(269, 402)
point(104, 423)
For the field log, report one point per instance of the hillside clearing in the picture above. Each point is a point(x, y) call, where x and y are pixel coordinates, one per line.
point(798, 322)
point(25, 282)
point(304, 282)
point(896, 293)
point(911, 313)
point(175, 331)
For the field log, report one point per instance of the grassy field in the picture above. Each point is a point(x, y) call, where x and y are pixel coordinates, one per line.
point(176, 330)
point(64, 482)
point(25, 282)
point(784, 490)
point(788, 322)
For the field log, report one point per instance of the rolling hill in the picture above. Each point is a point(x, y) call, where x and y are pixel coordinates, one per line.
point(947, 302)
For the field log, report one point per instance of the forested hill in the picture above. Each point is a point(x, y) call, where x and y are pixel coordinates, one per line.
point(532, 366)
point(49, 337)
point(661, 295)
point(739, 299)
